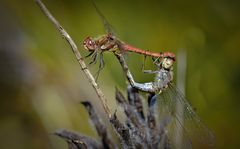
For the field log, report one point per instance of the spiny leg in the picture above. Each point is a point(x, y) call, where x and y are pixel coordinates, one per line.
point(89, 54)
point(94, 56)
point(156, 61)
point(101, 65)
point(143, 67)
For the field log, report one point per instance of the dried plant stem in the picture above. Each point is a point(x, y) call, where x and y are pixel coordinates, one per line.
point(78, 56)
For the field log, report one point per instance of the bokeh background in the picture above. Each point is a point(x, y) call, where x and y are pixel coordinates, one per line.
point(41, 83)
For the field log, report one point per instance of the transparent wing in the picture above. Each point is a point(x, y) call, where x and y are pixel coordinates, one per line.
point(107, 26)
point(174, 131)
point(185, 126)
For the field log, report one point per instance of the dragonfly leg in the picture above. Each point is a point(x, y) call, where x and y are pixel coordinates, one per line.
point(145, 87)
point(149, 71)
point(89, 54)
point(101, 65)
point(143, 67)
point(94, 56)
point(156, 61)
point(144, 60)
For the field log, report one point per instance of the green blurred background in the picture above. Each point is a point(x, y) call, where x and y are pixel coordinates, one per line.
point(42, 84)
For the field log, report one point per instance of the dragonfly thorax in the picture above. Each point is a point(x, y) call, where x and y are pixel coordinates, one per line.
point(102, 43)
point(163, 78)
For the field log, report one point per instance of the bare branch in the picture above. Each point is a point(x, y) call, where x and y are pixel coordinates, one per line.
point(78, 56)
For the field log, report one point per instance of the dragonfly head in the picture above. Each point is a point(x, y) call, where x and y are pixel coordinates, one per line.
point(89, 44)
point(168, 60)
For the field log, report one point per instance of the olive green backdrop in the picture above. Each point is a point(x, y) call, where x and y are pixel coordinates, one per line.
point(41, 83)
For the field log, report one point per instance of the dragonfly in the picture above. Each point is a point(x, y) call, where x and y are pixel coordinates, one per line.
point(162, 88)
point(109, 42)
point(167, 95)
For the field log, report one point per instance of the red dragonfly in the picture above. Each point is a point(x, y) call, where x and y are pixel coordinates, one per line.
point(109, 42)
point(161, 88)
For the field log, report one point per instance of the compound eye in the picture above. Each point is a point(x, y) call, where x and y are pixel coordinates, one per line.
point(90, 42)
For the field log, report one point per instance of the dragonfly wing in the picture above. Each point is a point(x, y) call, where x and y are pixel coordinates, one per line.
point(186, 123)
point(174, 129)
point(107, 26)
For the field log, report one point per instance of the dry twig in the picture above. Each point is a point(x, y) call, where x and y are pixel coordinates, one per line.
point(78, 56)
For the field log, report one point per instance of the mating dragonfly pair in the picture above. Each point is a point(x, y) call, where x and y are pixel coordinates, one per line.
point(187, 124)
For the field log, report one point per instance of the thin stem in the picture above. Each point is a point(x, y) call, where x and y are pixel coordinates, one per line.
point(78, 56)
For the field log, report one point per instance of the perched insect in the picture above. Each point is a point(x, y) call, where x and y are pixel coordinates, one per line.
point(162, 88)
point(168, 96)
point(109, 42)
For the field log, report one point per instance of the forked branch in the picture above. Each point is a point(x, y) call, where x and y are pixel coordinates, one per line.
point(78, 56)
